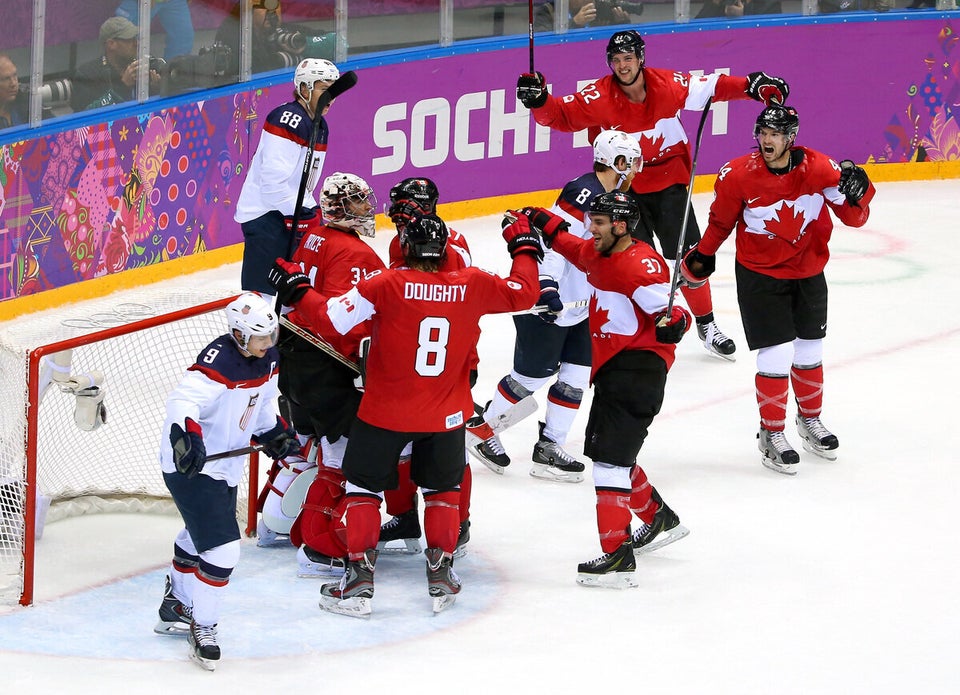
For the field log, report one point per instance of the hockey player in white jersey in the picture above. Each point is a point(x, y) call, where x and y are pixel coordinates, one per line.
point(266, 204)
point(555, 342)
point(225, 400)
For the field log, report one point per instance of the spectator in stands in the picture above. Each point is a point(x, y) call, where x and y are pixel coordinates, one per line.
point(584, 13)
point(174, 16)
point(737, 8)
point(13, 106)
point(111, 78)
point(274, 44)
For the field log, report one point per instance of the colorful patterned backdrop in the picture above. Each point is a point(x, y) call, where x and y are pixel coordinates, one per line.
point(98, 200)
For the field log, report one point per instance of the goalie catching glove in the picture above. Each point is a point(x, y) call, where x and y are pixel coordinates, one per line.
point(853, 182)
point(279, 441)
point(670, 328)
point(519, 237)
point(769, 90)
point(189, 452)
point(289, 280)
point(696, 267)
point(532, 90)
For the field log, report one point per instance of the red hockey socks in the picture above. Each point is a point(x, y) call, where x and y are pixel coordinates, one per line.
point(402, 498)
point(441, 519)
point(466, 489)
point(808, 389)
point(613, 518)
point(772, 399)
point(641, 491)
point(363, 524)
point(699, 300)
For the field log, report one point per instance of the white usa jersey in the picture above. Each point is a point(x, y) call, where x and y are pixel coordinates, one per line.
point(231, 397)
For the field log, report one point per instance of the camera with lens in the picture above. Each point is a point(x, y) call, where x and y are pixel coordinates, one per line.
point(207, 69)
point(54, 92)
point(286, 40)
point(605, 10)
point(158, 64)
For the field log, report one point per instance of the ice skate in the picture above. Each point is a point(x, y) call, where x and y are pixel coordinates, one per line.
point(204, 650)
point(443, 584)
point(353, 594)
point(665, 529)
point(311, 564)
point(715, 341)
point(487, 447)
point(175, 617)
point(816, 438)
point(776, 452)
point(462, 540)
point(403, 527)
point(267, 538)
point(616, 570)
point(551, 462)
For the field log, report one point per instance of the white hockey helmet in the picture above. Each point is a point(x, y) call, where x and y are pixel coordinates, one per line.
point(611, 144)
point(251, 315)
point(347, 201)
point(309, 70)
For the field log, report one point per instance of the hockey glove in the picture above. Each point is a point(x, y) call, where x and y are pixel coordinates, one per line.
point(769, 90)
point(696, 267)
point(189, 453)
point(670, 329)
point(519, 237)
point(545, 222)
point(532, 90)
point(289, 280)
point(308, 218)
point(549, 306)
point(402, 211)
point(853, 182)
point(278, 442)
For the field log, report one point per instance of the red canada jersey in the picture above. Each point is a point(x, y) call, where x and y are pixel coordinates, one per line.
point(424, 328)
point(335, 261)
point(458, 252)
point(782, 221)
point(629, 289)
point(655, 122)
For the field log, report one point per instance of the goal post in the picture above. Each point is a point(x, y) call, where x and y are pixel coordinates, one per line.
point(82, 415)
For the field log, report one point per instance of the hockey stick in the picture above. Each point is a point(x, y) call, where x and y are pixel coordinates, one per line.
point(343, 83)
point(320, 343)
point(234, 452)
point(530, 5)
point(543, 309)
point(675, 282)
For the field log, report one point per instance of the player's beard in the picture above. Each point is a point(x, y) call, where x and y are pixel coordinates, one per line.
point(631, 82)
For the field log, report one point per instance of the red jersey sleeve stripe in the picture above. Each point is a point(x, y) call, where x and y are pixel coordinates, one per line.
point(570, 209)
point(218, 377)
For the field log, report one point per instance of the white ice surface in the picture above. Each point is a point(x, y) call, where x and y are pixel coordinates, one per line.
point(840, 580)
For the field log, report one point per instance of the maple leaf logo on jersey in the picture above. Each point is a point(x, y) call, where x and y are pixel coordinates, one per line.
point(788, 223)
point(599, 317)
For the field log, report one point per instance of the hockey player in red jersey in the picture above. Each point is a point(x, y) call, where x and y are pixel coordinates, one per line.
point(409, 197)
point(778, 200)
point(320, 389)
point(424, 325)
point(646, 102)
point(633, 341)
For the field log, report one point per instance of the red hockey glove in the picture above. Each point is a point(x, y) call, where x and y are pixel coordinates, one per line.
point(189, 452)
point(853, 181)
point(763, 87)
point(532, 90)
point(545, 222)
point(402, 211)
point(696, 267)
point(670, 329)
point(308, 219)
point(279, 441)
point(289, 281)
point(519, 237)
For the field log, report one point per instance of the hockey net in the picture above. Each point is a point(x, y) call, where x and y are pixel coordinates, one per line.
point(56, 458)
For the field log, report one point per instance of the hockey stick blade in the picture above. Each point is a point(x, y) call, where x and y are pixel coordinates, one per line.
point(346, 81)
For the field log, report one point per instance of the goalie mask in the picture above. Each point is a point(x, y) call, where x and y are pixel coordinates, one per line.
point(251, 315)
point(347, 202)
point(611, 145)
point(424, 237)
point(310, 70)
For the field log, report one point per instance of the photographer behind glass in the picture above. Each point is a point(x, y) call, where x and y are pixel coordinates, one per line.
point(587, 13)
point(274, 44)
point(737, 8)
point(112, 78)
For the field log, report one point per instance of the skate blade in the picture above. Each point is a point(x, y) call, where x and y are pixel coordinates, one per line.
point(545, 472)
point(205, 664)
point(355, 607)
point(663, 538)
point(489, 464)
point(460, 552)
point(411, 546)
point(274, 542)
point(319, 572)
point(443, 602)
point(826, 454)
point(612, 580)
point(783, 468)
point(172, 629)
